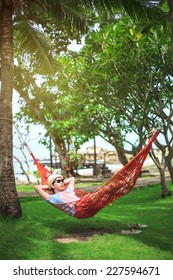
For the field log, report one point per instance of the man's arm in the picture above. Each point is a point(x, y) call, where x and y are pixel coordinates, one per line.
point(70, 182)
point(40, 190)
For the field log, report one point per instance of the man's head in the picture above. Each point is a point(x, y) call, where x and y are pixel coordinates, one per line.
point(55, 178)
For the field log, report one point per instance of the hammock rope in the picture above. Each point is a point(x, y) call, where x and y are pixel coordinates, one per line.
point(118, 185)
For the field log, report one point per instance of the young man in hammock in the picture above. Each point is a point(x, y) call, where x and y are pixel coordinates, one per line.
point(89, 204)
point(63, 196)
point(63, 192)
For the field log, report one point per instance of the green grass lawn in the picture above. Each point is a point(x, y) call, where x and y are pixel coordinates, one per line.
point(32, 236)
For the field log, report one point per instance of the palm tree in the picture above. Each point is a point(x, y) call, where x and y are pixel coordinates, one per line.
point(25, 16)
point(9, 204)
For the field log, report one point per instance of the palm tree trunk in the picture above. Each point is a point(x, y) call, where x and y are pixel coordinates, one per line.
point(9, 202)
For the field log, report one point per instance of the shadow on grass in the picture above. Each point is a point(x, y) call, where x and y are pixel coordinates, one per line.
point(30, 237)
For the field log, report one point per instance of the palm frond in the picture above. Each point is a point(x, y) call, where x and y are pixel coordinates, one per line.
point(32, 40)
point(151, 3)
point(68, 12)
point(148, 11)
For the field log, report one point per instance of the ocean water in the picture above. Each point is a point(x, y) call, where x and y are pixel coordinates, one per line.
point(18, 170)
point(21, 178)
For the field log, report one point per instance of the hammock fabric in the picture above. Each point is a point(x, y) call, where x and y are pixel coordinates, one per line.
point(118, 185)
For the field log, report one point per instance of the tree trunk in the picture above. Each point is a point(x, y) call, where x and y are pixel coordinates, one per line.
point(121, 155)
point(9, 202)
point(115, 140)
point(170, 169)
point(164, 186)
point(66, 164)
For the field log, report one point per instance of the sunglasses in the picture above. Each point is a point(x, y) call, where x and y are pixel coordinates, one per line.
point(59, 181)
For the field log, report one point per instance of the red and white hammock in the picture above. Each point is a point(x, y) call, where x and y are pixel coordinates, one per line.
point(118, 185)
